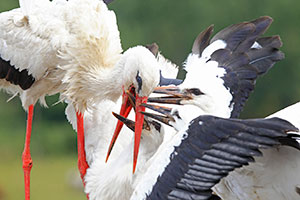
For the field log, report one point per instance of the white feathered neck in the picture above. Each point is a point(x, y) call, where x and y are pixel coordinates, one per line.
point(91, 82)
point(94, 50)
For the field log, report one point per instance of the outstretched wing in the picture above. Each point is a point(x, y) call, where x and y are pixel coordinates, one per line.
point(209, 149)
point(242, 53)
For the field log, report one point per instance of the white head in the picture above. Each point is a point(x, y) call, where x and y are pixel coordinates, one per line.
point(140, 69)
point(205, 85)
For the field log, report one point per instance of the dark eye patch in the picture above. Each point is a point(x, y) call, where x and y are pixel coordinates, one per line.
point(194, 91)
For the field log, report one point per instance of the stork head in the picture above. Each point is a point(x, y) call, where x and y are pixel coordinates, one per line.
point(214, 102)
point(140, 77)
point(141, 70)
point(202, 87)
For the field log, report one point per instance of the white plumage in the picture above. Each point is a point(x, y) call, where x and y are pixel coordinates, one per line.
point(54, 34)
point(44, 41)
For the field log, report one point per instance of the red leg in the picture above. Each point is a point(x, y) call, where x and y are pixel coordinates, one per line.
point(82, 164)
point(26, 157)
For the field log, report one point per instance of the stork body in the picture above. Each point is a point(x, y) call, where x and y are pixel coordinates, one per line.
point(183, 173)
point(40, 37)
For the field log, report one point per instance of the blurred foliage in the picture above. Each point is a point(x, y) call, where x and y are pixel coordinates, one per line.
point(173, 24)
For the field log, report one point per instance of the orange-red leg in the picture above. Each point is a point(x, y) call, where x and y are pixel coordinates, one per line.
point(82, 164)
point(26, 157)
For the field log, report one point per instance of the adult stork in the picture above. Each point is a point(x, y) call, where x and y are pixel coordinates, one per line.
point(39, 38)
point(99, 124)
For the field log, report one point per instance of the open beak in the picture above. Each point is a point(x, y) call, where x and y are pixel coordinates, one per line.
point(139, 121)
point(166, 116)
point(174, 95)
point(124, 112)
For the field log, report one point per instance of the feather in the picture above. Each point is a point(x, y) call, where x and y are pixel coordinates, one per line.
point(26, 6)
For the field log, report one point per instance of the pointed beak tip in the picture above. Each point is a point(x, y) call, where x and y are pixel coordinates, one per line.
point(133, 170)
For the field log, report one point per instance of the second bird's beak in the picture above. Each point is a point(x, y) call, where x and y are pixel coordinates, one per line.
point(126, 107)
point(124, 112)
point(173, 95)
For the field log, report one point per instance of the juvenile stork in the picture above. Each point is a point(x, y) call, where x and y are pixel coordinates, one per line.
point(39, 38)
point(204, 150)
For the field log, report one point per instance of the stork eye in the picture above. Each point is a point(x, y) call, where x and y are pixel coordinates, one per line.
point(195, 91)
point(139, 81)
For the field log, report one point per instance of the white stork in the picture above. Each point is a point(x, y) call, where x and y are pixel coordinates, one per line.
point(99, 126)
point(169, 173)
point(41, 37)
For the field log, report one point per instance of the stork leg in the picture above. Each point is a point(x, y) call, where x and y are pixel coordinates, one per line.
point(26, 157)
point(82, 164)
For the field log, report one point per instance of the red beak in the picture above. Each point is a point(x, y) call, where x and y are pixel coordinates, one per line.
point(139, 120)
point(125, 110)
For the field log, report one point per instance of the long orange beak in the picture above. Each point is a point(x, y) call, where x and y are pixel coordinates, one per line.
point(124, 112)
point(139, 120)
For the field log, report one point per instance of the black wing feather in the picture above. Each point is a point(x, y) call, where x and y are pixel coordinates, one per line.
point(202, 40)
point(214, 147)
point(14, 76)
point(243, 63)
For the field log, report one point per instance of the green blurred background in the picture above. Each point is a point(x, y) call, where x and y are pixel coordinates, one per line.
point(173, 24)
